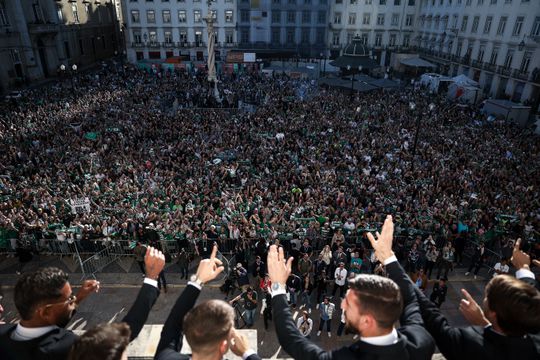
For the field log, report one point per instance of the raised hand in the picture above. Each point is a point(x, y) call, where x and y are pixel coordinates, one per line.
point(209, 269)
point(383, 244)
point(154, 262)
point(519, 258)
point(87, 287)
point(471, 311)
point(239, 343)
point(278, 269)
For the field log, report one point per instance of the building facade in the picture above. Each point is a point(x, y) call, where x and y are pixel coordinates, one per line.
point(293, 28)
point(159, 29)
point(37, 36)
point(494, 42)
point(384, 26)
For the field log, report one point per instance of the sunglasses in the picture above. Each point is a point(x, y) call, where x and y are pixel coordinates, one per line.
point(70, 301)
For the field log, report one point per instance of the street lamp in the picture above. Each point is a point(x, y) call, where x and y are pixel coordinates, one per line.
point(352, 77)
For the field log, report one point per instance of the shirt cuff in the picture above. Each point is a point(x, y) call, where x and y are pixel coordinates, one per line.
point(151, 282)
point(524, 273)
point(391, 259)
point(247, 354)
point(280, 291)
point(192, 283)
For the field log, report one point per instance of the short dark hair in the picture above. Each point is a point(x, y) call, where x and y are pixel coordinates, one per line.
point(207, 324)
point(378, 296)
point(515, 303)
point(37, 287)
point(102, 342)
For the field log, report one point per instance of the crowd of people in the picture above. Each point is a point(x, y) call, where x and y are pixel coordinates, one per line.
point(320, 167)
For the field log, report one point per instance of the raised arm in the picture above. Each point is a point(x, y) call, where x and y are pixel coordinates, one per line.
point(290, 338)
point(171, 335)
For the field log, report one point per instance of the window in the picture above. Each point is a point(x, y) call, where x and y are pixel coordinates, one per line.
point(183, 36)
point(87, 8)
point(337, 18)
point(369, 2)
point(536, 27)
point(229, 37)
point(276, 16)
point(197, 16)
point(3, 15)
point(277, 2)
point(409, 20)
point(335, 38)
point(349, 37)
point(321, 17)
point(291, 17)
point(276, 36)
point(291, 2)
point(304, 38)
point(464, 23)
point(152, 36)
point(502, 25)
point(393, 38)
point(475, 23)
point(353, 2)
point(364, 38)
point(481, 51)
point(182, 17)
point(380, 19)
point(214, 15)
point(407, 40)
point(508, 59)
point(382, 2)
point(378, 39)
point(135, 16)
point(468, 2)
point(493, 2)
point(518, 26)
point(307, 2)
point(244, 16)
point(487, 24)
point(397, 2)
point(75, 12)
point(339, 1)
point(395, 20)
point(366, 19)
point(306, 17)
point(168, 37)
point(290, 36)
point(494, 54)
point(150, 16)
point(524, 67)
point(58, 12)
point(137, 36)
point(352, 19)
point(229, 16)
point(320, 36)
point(411, 2)
point(166, 16)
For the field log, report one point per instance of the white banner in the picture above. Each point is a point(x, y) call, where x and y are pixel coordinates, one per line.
point(80, 206)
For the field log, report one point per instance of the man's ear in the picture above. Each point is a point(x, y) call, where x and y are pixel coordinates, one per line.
point(224, 347)
point(45, 314)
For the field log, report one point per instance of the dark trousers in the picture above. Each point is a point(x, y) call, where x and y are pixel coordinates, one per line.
point(459, 256)
point(340, 328)
point(476, 264)
point(444, 266)
point(321, 324)
point(267, 316)
point(161, 280)
point(141, 266)
point(341, 290)
point(429, 268)
point(320, 293)
point(184, 272)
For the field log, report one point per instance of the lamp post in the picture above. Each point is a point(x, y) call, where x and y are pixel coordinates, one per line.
point(72, 71)
point(211, 62)
point(352, 78)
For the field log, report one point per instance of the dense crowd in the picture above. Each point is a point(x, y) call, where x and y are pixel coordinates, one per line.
point(321, 166)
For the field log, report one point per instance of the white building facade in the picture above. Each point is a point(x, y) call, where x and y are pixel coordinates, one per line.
point(160, 29)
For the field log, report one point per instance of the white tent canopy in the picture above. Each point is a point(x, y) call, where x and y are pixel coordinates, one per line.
point(417, 62)
point(464, 80)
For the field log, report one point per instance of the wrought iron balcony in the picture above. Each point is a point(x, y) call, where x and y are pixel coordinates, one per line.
point(503, 70)
point(43, 28)
point(154, 44)
point(137, 44)
point(489, 67)
point(518, 74)
point(477, 64)
point(168, 44)
point(182, 44)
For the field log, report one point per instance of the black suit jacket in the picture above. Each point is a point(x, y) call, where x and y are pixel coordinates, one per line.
point(413, 340)
point(170, 342)
point(475, 342)
point(55, 344)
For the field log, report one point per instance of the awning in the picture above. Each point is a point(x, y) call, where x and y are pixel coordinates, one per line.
point(385, 83)
point(354, 62)
point(417, 62)
point(346, 84)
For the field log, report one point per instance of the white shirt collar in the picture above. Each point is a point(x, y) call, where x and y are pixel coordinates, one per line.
point(382, 340)
point(22, 333)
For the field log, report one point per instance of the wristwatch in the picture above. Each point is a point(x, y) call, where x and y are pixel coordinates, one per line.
point(194, 278)
point(278, 286)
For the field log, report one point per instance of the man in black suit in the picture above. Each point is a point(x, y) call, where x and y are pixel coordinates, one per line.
point(209, 327)
point(372, 305)
point(46, 304)
point(508, 328)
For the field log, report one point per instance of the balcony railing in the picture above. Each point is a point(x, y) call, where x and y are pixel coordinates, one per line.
point(199, 44)
point(182, 44)
point(503, 70)
point(477, 64)
point(518, 74)
point(137, 44)
point(43, 28)
point(154, 44)
point(489, 67)
point(168, 44)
